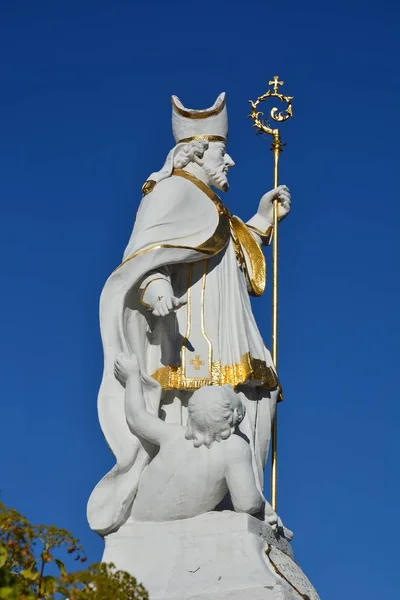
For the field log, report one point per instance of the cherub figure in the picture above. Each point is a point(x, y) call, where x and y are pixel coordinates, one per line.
point(196, 465)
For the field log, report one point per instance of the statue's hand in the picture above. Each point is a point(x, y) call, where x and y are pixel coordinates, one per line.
point(276, 522)
point(161, 299)
point(125, 367)
point(166, 304)
point(270, 516)
point(266, 206)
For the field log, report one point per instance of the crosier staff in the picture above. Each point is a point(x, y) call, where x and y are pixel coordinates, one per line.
point(263, 126)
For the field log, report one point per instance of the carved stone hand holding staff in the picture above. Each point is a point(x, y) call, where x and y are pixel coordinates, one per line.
point(263, 126)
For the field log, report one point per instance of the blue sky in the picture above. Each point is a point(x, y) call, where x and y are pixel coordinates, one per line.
point(85, 117)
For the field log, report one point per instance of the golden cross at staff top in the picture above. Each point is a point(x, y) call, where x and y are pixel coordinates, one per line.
point(263, 126)
point(276, 83)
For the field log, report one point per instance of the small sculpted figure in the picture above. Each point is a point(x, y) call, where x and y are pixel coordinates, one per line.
point(196, 465)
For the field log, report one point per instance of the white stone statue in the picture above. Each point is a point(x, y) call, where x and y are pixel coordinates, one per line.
point(180, 303)
point(189, 390)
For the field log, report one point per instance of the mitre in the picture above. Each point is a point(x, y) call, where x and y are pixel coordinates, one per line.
point(209, 123)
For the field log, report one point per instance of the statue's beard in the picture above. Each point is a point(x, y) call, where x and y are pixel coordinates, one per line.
point(217, 177)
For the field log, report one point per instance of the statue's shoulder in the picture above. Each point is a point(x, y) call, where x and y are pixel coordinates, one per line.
point(169, 196)
point(237, 448)
point(173, 185)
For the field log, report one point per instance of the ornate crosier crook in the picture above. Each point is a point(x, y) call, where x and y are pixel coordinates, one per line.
point(263, 126)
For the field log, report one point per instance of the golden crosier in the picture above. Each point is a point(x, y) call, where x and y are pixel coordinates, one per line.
point(263, 126)
point(279, 116)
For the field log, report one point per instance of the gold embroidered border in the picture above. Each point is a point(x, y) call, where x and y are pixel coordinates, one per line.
point(189, 326)
point(255, 255)
point(189, 318)
point(198, 114)
point(172, 377)
point(209, 138)
point(266, 233)
point(203, 327)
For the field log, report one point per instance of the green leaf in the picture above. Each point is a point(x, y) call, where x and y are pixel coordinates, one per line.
point(8, 593)
point(63, 590)
point(29, 574)
point(3, 555)
point(48, 585)
point(61, 566)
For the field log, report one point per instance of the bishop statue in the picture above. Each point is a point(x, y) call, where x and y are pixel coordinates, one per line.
point(179, 303)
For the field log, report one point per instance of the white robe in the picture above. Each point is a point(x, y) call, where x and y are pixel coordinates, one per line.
point(223, 323)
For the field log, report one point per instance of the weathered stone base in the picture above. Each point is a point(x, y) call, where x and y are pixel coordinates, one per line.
point(216, 556)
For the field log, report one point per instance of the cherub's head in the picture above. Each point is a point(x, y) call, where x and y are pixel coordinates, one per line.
point(214, 412)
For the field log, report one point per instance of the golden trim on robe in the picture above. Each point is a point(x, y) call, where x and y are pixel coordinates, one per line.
point(258, 278)
point(172, 377)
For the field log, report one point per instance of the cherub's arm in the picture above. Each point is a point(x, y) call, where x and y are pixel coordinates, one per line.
point(240, 478)
point(139, 420)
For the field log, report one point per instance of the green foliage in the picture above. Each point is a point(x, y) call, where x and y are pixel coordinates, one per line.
point(28, 561)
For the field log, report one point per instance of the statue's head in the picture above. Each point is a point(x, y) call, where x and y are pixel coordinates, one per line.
point(214, 412)
point(211, 157)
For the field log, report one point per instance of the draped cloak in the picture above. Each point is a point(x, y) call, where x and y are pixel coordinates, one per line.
point(178, 223)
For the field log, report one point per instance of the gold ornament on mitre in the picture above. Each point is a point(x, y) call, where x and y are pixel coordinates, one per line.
point(208, 124)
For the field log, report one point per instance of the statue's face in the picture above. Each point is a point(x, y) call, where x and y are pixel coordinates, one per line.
point(216, 163)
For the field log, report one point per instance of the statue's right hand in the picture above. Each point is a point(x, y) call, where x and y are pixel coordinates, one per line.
point(161, 299)
point(166, 304)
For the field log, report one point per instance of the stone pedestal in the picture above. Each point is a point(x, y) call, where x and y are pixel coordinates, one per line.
point(216, 556)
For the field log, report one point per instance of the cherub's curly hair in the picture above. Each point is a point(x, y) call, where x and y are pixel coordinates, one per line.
point(213, 413)
point(191, 152)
